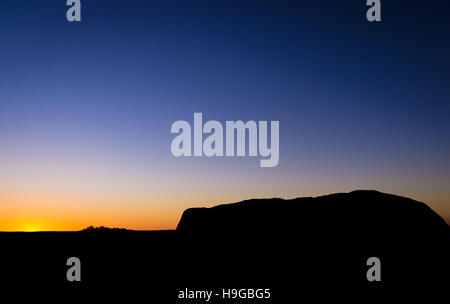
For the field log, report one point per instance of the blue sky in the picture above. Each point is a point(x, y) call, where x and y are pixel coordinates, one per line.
point(360, 105)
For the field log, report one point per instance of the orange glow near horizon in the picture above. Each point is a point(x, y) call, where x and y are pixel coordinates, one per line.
point(73, 224)
point(58, 213)
point(72, 202)
point(34, 216)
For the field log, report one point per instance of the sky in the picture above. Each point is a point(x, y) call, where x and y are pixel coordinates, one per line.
point(86, 107)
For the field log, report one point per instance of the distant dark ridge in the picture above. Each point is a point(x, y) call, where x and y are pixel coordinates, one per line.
point(368, 211)
point(362, 211)
point(103, 229)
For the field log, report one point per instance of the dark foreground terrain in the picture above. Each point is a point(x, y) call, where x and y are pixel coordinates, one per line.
point(296, 248)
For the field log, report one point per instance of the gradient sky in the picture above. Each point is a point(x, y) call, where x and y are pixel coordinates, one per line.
point(86, 108)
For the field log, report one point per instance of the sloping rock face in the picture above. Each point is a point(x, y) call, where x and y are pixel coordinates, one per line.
point(322, 239)
point(356, 212)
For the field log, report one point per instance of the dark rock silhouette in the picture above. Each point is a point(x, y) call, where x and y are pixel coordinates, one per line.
point(305, 234)
point(103, 229)
point(304, 246)
point(369, 211)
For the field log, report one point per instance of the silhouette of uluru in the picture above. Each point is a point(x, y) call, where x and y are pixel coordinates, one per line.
point(294, 247)
point(329, 236)
point(363, 210)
